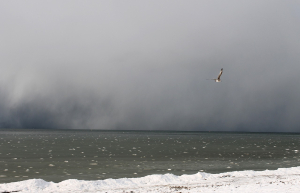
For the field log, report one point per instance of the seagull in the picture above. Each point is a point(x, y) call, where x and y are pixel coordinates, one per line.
point(219, 77)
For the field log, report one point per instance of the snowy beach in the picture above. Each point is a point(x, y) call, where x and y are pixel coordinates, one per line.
point(280, 180)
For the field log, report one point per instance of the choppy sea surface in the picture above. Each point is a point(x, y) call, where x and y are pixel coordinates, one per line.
point(57, 155)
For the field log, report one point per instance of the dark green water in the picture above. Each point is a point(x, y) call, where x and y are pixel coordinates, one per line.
point(56, 155)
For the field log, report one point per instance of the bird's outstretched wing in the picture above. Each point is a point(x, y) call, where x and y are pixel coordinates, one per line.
point(220, 73)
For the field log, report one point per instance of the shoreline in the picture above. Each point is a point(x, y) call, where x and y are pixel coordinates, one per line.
point(280, 180)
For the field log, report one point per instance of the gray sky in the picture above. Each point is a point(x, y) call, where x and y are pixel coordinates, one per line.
point(144, 64)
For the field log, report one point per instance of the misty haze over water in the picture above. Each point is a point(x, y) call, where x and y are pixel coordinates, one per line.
point(139, 65)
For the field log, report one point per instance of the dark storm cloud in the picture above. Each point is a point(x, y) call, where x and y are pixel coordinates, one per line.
point(144, 65)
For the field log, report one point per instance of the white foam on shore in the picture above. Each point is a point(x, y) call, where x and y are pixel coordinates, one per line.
point(280, 180)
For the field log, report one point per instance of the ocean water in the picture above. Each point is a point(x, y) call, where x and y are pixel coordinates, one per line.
point(57, 155)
